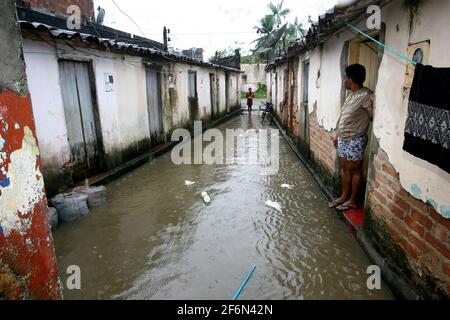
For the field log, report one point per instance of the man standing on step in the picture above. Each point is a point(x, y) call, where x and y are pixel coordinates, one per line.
point(351, 138)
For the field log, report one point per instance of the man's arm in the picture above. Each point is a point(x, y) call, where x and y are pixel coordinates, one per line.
point(370, 111)
point(368, 105)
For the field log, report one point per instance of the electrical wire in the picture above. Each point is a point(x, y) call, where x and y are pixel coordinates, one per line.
point(131, 19)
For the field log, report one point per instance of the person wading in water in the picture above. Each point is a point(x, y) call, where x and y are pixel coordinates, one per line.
point(351, 138)
point(250, 97)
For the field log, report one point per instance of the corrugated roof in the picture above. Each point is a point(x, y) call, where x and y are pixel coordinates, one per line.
point(334, 19)
point(328, 23)
point(124, 46)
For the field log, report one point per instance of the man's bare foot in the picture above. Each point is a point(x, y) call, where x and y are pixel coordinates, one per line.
point(336, 202)
point(347, 206)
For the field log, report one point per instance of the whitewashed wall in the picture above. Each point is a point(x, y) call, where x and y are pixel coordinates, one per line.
point(43, 81)
point(130, 94)
point(278, 87)
point(222, 102)
point(235, 90)
point(123, 111)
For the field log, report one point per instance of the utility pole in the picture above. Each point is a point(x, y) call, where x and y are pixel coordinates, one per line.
point(166, 37)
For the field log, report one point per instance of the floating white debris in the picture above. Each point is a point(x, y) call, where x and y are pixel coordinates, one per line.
point(188, 183)
point(206, 197)
point(287, 186)
point(274, 205)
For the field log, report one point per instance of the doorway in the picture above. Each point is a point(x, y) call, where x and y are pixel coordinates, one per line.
point(304, 115)
point(154, 105)
point(285, 98)
point(368, 54)
point(212, 94)
point(82, 120)
point(227, 92)
point(193, 96)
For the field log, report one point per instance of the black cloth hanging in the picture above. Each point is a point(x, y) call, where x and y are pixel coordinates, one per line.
point(427, 131)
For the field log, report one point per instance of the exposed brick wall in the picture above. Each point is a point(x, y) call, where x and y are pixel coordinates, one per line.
point(414, 227)
point(60, 6)
point(321, 145)
point(11, 286)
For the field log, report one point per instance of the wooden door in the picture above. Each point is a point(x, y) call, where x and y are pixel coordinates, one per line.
point(154, 105)
point(81, 124)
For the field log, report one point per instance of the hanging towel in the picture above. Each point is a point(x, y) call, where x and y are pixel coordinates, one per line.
point(427, 131)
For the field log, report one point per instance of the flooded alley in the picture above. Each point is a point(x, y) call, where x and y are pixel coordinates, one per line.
point(157, 239)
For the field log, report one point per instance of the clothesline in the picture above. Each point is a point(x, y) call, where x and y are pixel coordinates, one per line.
point(382, 44)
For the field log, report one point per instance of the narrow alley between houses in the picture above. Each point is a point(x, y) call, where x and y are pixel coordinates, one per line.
point(224, 150)
point(157, 239)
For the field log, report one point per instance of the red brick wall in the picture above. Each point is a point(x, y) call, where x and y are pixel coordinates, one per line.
point(416, 227)
point(321, 145)
point(60, 6)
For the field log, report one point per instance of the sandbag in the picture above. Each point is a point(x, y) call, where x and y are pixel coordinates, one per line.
point(53, 217)
point(96, 195)
point(70, 206)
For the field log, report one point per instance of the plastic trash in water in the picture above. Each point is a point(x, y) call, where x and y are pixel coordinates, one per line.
point(274, 205)
point(206, 197)
point(188, 183)
point(287, 186)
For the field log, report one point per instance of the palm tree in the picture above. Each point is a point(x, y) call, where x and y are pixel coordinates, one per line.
point(278, 12)
point(266, 25)
point(265, 29)
point(294, 31)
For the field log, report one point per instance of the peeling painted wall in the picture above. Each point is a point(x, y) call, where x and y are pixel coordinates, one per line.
point(22, 186)
point(26, 243)
point(325, 81)
point(421, 179)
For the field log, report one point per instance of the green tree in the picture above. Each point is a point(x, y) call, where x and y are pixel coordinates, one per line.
point(278, 12)
point(265, 28)
point(271, 36)
point(266, 25)
point(293, 32)
point(228, 52)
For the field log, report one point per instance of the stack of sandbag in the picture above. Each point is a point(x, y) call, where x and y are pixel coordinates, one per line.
point(96, 196)
point(70, 206)
point(53, 217)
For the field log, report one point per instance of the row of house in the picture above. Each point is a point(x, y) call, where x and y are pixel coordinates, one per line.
point(407, 202)
point(102, 97)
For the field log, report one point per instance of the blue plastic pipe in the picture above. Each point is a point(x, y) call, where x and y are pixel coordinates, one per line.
point(238, 292)
point(382, 44)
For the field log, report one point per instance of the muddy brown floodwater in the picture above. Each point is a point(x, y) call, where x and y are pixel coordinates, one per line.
point(156, 239)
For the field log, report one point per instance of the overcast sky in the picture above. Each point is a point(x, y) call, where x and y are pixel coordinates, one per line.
point(208, 24)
